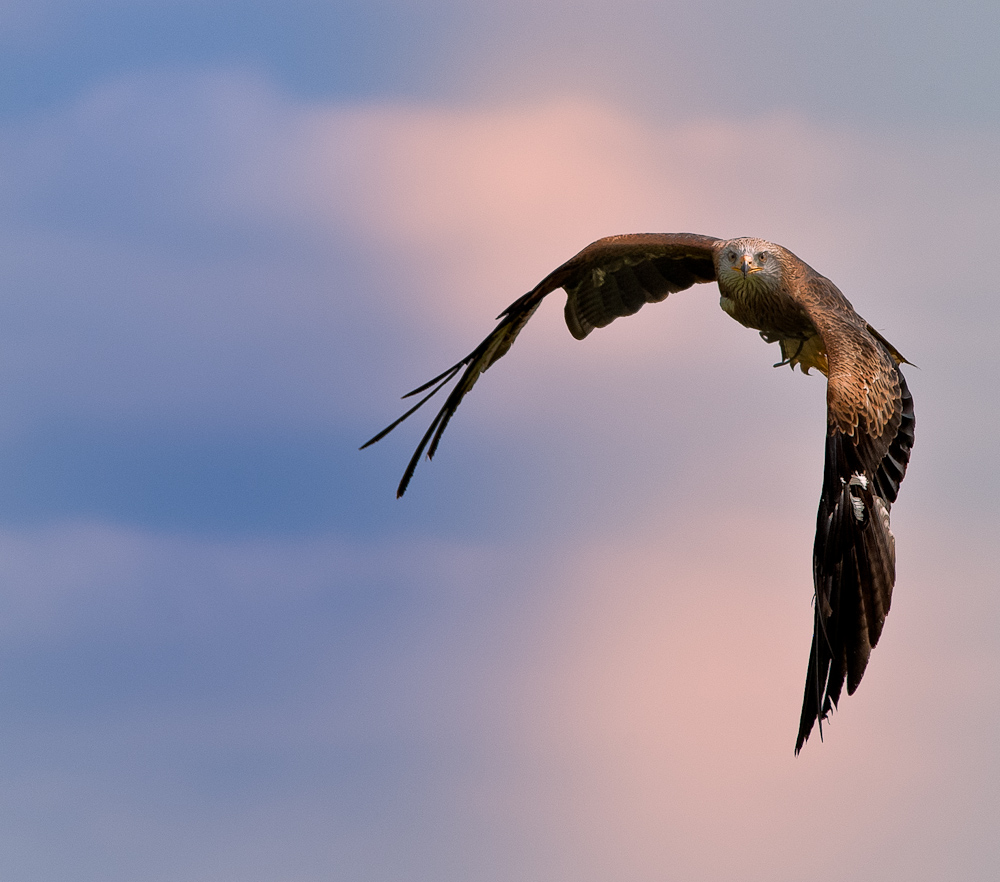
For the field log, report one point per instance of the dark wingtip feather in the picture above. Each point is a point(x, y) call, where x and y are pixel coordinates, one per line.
point(445, 378)
point(492, 348)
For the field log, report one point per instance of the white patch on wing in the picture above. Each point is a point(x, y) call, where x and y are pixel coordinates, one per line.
point(883, 512)
point(859, 508)
point(857, 503)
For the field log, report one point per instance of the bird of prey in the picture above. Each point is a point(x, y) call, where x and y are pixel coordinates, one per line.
point(869, 410)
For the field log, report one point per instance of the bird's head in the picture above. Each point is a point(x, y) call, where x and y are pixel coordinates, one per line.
point(748, 263)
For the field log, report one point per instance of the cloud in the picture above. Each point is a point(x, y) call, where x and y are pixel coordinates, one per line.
point(594, 704)
point(202, 252)
point(578, 645)
point(526, 180)
point(576, 649)
point(184, 244)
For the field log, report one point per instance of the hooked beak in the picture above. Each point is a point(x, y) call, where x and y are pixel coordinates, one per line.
point(745, 268)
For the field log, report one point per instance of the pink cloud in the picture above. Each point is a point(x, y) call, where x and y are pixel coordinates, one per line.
point(445, 215)
point(656, 715)
point(501, 195)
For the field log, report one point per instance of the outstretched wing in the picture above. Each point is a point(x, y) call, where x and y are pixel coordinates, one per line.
point(869, 437)
point(610, 278)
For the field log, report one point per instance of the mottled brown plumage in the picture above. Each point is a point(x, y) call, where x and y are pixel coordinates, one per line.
point(869, 410)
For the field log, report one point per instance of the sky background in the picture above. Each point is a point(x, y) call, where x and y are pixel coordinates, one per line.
point(232, 233)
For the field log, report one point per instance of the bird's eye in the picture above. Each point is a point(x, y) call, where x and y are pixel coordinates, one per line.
point(763, 256)
point(731, 255)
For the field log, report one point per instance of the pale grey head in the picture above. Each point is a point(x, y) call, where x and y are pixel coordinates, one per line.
point(748, 263)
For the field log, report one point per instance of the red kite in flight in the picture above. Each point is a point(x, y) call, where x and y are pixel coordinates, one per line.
point(869, 410)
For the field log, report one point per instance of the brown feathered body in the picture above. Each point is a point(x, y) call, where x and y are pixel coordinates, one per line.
point(869, 410)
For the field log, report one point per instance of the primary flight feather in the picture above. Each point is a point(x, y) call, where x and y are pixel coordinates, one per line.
point(869, 410)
